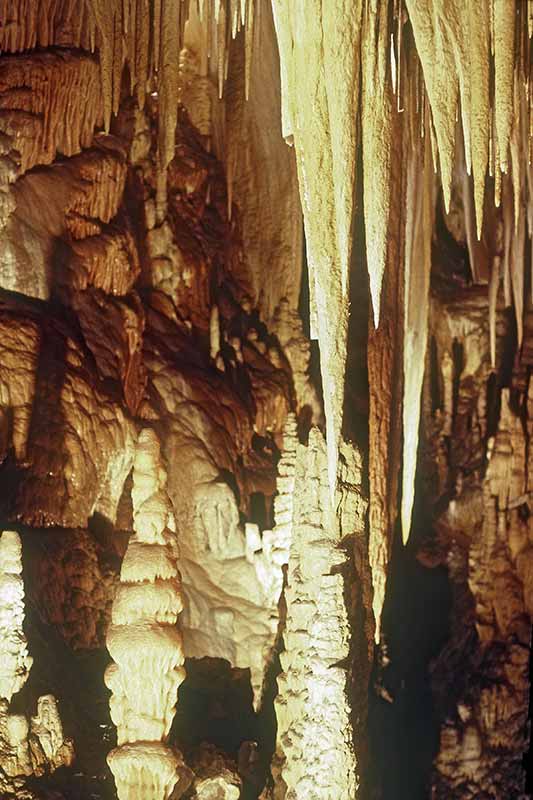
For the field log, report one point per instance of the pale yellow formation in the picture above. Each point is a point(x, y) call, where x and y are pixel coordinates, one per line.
point(315, 751)
point(27, 746)
point(15, 660)
point(143, 639)
point(418, 235)
point(453, 40)
point(148, 37)
point(504, 58)
point(233, 578)
point(376, 128)
point(145, 770)
point(320, 60)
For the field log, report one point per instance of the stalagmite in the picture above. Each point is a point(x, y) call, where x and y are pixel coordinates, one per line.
point(143, 639)
point(27, 746)
point(15, 660)
point(152, 276)
point(315, 750)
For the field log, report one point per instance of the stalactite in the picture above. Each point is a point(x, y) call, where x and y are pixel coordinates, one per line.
point(477, 74)
point(504, 48)
point(418, 234)
point(143, 640)
point(376, 134)
point(493, 302)
point(434, 25)
point(321, 117)
point(385, 374)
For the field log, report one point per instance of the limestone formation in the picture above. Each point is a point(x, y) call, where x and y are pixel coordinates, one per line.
point(315, 746)
point(143, 641)
point(233, 578)
point(27, 746)
point(15, 660)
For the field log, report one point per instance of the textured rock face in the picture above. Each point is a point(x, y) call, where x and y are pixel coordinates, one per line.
point(74, 585)
point(485, 535)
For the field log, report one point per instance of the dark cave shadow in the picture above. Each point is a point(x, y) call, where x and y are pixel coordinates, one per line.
point(76, 679)
point(404, 733)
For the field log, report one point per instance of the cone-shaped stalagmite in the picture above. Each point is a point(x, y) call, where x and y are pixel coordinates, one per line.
point(143, 639)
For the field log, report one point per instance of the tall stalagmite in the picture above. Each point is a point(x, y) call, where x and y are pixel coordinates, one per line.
point(315, 754)
point(143, 639)
point(15, 660)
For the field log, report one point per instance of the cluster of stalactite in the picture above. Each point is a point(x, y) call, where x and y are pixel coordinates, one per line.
point(426, 113)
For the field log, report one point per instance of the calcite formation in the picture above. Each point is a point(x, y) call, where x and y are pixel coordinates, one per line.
point(315, 745)
point(228, 227)
point(73, 585)
point(27, 746)
point(233, 577)
point(143, 640)
point(15, 660)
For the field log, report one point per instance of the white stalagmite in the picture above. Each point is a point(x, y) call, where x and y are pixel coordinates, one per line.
point(315, 750)
point(143, 639)
point(319, 57)
point(15, 660)
point(27, 746)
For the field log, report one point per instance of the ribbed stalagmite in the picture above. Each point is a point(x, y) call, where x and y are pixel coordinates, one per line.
point(143, 640)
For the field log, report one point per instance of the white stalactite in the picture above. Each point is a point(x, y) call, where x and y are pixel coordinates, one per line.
point(376, 127)
point(319, 57)
point(418, 235)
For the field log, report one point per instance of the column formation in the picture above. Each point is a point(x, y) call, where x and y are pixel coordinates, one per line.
point(315, 750)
